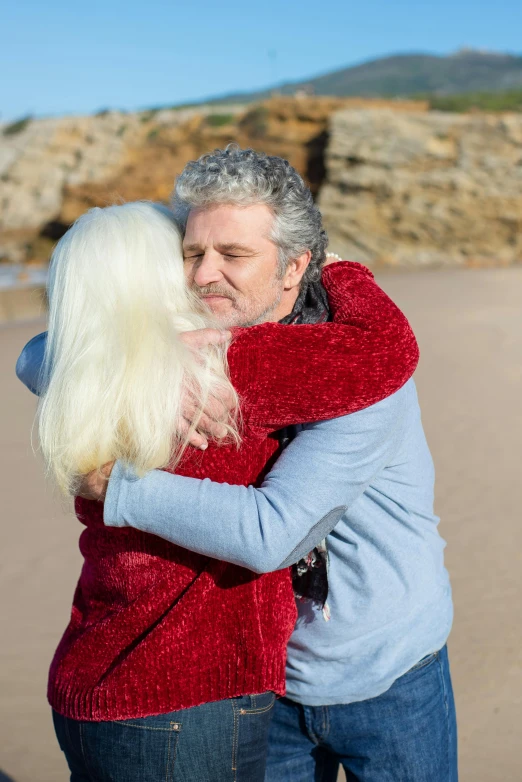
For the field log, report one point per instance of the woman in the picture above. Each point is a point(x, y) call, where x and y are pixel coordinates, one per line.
point(155, 629)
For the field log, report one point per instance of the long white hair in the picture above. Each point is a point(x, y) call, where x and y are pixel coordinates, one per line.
point(115, 368)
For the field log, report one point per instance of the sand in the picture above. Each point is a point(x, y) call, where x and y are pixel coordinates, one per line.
point(469, 325)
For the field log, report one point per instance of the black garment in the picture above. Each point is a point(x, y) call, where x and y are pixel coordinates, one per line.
point(310, 574)
point(311, 305)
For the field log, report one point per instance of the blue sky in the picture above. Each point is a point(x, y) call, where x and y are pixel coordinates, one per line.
point(79, 57)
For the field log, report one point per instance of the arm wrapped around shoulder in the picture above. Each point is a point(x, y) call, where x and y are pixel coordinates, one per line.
point(305, 373)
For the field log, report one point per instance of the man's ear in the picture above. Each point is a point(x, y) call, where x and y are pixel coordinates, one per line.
point(296, 269)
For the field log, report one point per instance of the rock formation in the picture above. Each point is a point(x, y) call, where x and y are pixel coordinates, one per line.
point(52, 170)
point(424, 189)
point(397, 184)
point(46, 158)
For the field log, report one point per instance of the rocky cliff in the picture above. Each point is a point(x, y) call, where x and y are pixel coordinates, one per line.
point(424, 189)
point(44, 163)
point(52, 170)
point(397, 184)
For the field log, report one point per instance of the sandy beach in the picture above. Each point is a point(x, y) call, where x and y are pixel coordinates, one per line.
point(469, 326)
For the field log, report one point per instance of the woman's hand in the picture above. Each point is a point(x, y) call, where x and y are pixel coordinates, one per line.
point(208, 425)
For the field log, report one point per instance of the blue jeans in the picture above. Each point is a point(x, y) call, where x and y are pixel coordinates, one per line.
point(408, 734)
point(224, 741)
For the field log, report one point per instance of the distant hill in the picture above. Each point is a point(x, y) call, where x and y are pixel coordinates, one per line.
point(411, 74)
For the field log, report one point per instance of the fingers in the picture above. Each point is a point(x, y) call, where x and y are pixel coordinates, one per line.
point(218, 407)
point(94, 485)
point(209, 421)
point(210, 427)
point(202, 338)
point(207, 428)
point(229, 399)
point(196, 439)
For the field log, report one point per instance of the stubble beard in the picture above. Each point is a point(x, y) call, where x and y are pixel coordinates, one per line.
point(249, 312)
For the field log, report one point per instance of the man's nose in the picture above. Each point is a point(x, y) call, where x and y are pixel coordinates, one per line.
point(208, 270)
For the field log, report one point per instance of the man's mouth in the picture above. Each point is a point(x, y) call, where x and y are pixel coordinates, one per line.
point(215, 297)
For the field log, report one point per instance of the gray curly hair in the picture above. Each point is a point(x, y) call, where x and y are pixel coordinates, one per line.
point(244, 176)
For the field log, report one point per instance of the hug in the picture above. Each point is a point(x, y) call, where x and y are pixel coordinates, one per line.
point(263, 593)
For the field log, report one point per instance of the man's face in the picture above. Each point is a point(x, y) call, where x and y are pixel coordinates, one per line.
point(231, 263)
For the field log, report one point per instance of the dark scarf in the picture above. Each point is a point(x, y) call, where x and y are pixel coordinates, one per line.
point(311, 305)
point(309, 575)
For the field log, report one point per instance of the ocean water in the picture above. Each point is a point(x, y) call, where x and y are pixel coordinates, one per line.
point(14, 276)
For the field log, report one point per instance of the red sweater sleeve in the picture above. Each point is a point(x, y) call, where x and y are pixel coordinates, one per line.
point(288, 374)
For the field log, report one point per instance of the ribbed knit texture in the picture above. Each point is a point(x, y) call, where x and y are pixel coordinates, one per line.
point(156, 628)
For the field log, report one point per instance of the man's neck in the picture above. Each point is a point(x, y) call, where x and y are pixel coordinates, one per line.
point(285, 306)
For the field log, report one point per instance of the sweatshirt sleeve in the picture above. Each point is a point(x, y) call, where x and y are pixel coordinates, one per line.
point(315, 481)
point(309, 373)
point(29, 364)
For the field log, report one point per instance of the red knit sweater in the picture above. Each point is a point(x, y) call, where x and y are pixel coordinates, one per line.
point(154, 627)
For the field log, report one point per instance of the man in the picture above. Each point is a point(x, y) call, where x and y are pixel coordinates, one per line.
point(368, 681)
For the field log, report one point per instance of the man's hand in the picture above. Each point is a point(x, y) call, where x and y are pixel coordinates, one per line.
point(94, 485)
point(215, 409)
